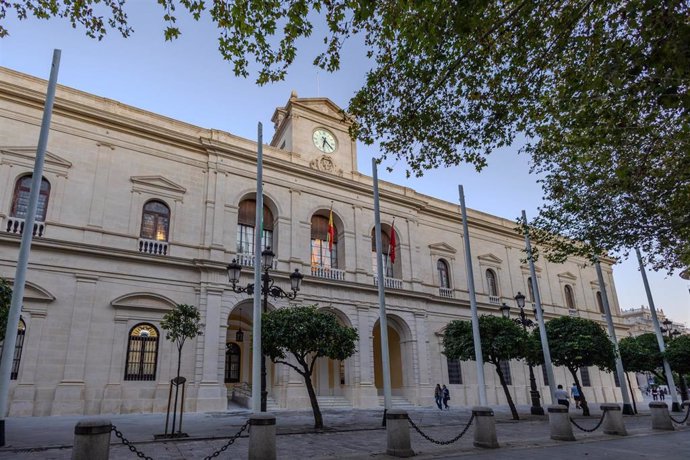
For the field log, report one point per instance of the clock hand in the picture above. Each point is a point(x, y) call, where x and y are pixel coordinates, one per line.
point(328, 144)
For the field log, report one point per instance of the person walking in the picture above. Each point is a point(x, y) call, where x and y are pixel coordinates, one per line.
point(576, 396)
point(562, 396)
point(438, 396)
point(446, 397)
point(655, 393)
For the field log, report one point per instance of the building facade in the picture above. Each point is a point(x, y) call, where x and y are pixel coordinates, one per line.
point(138, 212)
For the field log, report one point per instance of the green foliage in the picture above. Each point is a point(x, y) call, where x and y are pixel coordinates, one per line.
point(5, 303)
point(641, 353)
point(181, 323)
point(596, 92)
point(501, 340)
point(578, 342)
point(307, 334)
point(678, 354)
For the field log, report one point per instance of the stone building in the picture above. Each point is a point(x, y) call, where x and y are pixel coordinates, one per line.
point(139, 212)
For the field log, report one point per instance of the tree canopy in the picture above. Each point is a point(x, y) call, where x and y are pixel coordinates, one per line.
point(641, 354)
point(600, 91)
point(501, 340)
point(678, 354)
point(298, 336)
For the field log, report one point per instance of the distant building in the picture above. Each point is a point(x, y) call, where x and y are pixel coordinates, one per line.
point(138, 212)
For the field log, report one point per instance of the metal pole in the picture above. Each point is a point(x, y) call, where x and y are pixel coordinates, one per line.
point(540, 314)
point(258, 234)
point(478, 356)
point(536, 408)
point(25, 248)
point(659, 336)
point(264, 388)
point(627, 407)
point(383, 321)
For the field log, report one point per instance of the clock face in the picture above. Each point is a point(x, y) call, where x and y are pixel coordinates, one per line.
point(324, 140)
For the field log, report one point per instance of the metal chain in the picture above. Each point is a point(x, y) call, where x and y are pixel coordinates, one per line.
point(593, 429)
point(443, 443)
point(229, 443)
point(687, 414)
point(126, 442)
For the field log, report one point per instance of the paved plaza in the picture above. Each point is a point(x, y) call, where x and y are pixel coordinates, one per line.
point(350, 434)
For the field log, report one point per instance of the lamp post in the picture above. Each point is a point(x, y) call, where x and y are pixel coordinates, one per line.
point(267, 289)
point(667, 328)
point(536, 408)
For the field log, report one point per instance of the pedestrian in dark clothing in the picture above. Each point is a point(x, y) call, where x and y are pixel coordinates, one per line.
point(438, 396)
point(446, 397)
point(562, 396)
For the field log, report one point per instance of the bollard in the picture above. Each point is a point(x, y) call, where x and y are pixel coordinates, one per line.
point(398, 434)
point(484, 428)
point(613, 420)
point(660, 416)
point(91, 439)
point(262, 436)
point(559, 423)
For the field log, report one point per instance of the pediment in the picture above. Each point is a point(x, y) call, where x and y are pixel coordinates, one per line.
point(525, 268)
point(567, 276)
point(490, 258)
point(26, 156)
point(157, 185)
point(320, 104)
point(144, 301)
point(34, 292)
point(442, 247)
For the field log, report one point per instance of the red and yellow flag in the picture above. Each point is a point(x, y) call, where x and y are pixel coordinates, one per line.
point(331, 231)
point(391, 252)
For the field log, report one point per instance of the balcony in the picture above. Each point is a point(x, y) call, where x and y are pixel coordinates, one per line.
point(392, 283)
point(328, 273)
point(159, 248)
point(246, 259)
point(445, 292)
point(495, 300)
point(16, 225)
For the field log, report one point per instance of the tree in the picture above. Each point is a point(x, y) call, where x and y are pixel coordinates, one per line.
point(5, 303)
point(598, 90)
point(578, 342)
point(181, 323)
point(678, 356)
point(641, 354)
point(307, 334)
point(501, 340)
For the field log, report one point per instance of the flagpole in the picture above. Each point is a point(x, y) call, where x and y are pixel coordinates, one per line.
point(478, 356)
point(258, 231)
point(540, 313)
point(383, 320)
point(25, 248)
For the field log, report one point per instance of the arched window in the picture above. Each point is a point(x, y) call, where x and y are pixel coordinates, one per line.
point(18, 347)
point(600, 303)
point(20, 201)
point(443, 278)
point(530, 289)
point(385, 252)
point(142, 353)
point(233, 356)
point(321, 254)
point(245, 227)
point(491, 282)
point(155, 221)
point(569, 298)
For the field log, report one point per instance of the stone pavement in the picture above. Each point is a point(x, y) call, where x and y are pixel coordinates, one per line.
point(350, 434)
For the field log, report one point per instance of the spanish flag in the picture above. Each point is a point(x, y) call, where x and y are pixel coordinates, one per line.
point(391, 252)
point(331, 231)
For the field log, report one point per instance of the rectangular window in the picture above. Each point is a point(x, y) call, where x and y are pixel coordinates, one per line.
point(454, 371)
point(584, 376)
point(321, 256)
point(18, 346)
point(387, 265)
point(545, 375)
point(505, 369)
point(245, 239)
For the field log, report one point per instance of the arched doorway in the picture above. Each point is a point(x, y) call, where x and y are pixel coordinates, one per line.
point(396, 358)
point(332, 377)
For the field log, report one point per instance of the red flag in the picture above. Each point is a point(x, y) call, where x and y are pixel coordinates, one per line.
point(331, 231)
point(391, 252)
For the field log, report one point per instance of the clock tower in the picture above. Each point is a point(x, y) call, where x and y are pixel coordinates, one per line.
point(316, 131)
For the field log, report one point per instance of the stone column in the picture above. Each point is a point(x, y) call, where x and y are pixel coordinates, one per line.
point(484, 428)
point(559, 423)
point(398, 434)
point(209, 397)
point(92, 439)
point(262, 436)
point(661, 419)
point(23, 398)
point(613, 420)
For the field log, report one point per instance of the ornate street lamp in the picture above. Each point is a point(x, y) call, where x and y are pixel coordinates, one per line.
point(267, 289)
point(536, 408)
point(667, 328)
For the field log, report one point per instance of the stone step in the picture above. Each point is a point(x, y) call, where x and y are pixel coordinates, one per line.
point(397, 402)
point(333, 402)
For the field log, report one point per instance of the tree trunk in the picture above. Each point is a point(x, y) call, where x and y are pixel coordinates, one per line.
point(502, 379)
point(683, 388)
point(318, 419)
point(583, 400)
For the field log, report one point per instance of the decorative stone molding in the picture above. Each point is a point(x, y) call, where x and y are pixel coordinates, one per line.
point(157, 185)
point(143, 301)
point(442, 248)
point(26, 156)
point(326, 164)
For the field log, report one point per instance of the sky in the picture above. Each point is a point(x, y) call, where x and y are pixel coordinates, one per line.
point(188, 80)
